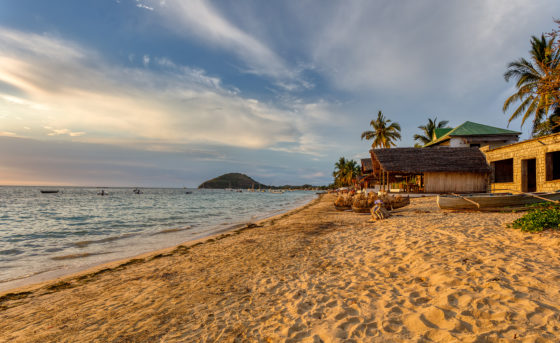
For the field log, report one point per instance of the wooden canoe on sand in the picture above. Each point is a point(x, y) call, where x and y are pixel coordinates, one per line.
point(493, 201)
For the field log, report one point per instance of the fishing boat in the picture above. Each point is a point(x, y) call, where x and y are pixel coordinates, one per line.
point(493, 201)
point(395, 202)
point(49, 191)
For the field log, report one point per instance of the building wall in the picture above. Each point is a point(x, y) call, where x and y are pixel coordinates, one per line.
point(455, 182)
point(460, 142)
point(534, 148)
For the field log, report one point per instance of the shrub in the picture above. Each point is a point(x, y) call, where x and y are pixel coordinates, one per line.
point(539, 219)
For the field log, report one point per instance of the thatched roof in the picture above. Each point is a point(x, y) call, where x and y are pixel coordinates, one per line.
point(436, 159)
point(367, 166)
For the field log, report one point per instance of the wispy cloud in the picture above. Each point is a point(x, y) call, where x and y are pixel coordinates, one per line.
point(59, 132)
point(199, 19)
point(79, 92)
point(139, 4)
point(418, 47)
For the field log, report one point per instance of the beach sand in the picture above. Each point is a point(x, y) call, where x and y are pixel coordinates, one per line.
point(314, 275)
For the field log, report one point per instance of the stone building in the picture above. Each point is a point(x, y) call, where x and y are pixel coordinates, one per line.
point(529, 166)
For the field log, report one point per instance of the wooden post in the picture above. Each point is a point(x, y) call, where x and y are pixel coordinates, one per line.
point(388, 182)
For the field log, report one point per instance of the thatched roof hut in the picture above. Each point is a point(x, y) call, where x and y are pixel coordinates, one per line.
point(367, 166)
point(436, 159)
point(443, 169)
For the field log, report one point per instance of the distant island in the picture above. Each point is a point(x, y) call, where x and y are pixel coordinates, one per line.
point(232, 180)
point(242, 181)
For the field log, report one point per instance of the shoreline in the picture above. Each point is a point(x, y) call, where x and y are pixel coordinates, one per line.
point(40, 280)
point(315, 274)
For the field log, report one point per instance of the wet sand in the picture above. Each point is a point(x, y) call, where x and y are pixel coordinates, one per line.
point(314, 275)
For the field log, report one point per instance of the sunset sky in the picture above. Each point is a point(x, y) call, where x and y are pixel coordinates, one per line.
point(171, 93)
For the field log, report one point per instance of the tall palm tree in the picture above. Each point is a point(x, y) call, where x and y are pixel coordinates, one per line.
point(428, 130)
point(532, 77)
point(384, 133)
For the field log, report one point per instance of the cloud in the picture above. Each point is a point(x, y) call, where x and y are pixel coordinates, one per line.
point(58, 132)
point(55, 162)
point(419, 47)
point(139, 4)
point(199, 19)
point(77, 92)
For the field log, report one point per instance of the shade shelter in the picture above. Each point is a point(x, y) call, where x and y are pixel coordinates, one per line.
point(434, 170)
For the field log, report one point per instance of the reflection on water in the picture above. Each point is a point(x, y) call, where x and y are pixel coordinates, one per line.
point(77, 227)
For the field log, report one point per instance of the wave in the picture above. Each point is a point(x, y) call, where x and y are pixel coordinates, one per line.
point(83, 244)
point(171, 230)
point(11, 252)
point(74, 256)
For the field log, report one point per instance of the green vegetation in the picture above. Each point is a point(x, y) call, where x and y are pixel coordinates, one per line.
point(384, 133)
point(428, 131)
point(537, 81)
point(539, 219)
point(242, 181)
point(345, 171)
point(232, 180)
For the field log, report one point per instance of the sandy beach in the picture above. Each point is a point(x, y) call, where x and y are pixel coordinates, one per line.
point(314, 275)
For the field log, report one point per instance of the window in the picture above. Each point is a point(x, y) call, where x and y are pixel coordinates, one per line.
point(503, 170)
point(553, 166)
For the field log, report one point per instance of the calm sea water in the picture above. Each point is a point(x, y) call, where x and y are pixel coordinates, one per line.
point(47, 235)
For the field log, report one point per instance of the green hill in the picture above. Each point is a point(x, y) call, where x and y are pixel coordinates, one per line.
point(232, 180)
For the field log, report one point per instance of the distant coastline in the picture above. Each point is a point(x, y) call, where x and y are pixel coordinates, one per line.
point(242, 181)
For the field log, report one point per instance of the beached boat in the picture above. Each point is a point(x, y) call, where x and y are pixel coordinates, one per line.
point(493, 201)
point(49, 191)
point(389, 202)
point(396, 202)
point(343, 203)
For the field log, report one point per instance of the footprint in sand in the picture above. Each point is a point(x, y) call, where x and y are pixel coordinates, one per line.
point(346, 327)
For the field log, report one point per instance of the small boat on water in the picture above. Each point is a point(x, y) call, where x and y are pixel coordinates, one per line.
point(49, 191)
point(493, 201)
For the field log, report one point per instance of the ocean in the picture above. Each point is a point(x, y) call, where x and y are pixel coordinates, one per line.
point(43, 236)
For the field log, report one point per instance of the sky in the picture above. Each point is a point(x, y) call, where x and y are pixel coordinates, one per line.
point(170, 93)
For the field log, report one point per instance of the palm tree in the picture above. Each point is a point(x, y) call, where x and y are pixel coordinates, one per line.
point(384, 132)
point(532, 79)
point(339, 171)
point(428, 130)
point(353, 170)
point(549, 126)
point(345, 171)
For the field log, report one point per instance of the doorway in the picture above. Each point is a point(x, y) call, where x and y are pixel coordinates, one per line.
point(529, 175)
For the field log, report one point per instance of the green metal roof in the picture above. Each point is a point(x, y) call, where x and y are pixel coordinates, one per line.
point(469, 128)
point(441, 131)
